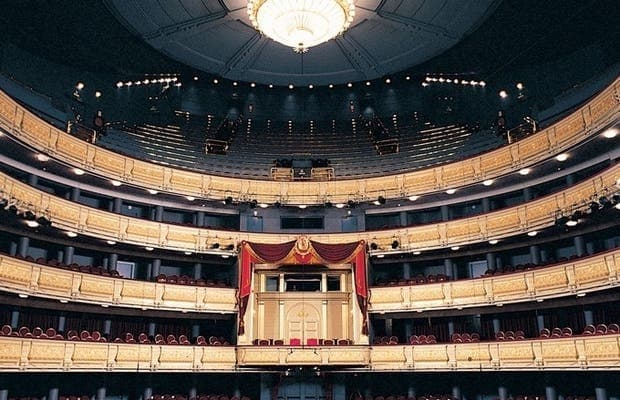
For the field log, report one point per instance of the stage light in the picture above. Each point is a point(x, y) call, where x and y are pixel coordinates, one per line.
point(331, 86)
point(483, 83)
point(367, 83)
point(374, 246)
point(395, 244)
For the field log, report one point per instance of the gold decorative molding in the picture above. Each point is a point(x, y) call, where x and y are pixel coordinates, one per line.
point(536, 214)
point(589, 274)
point(578, 126)
point(21, 276)
point(570, 353)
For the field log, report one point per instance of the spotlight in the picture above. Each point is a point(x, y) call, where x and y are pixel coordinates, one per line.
point(215, 245)
point(228, 200)
point(417, 253)
point(29, 215)
point(374, 246)
point(395, 244)
point(263, 205)
point(605, 202)
point(97, 94)
point(190, 198)
point(380, 201)
point(310, 86)
point(562, 221)
point(253, 203)
point(351, 203)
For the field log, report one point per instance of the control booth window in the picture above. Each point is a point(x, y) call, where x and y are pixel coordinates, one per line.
point(301, 223)
point(303, 282)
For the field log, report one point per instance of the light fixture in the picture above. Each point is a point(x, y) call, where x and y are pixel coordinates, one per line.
point(110, 242)
point(562, 157)
point(388, 80)
point(483, 83)
point(367, 83)
point(525, 171)
point(339, 205)
point(97, 94)
point(71, 234)
point(119, 84)
point(331, 85)
point(503, 94)
point(195, 78)
point(451, 191)
point(188, 253)
point(301, 24)
point(572, 221)
point(80, 85)
point(532, 233)
point(190, 198)
point(152, 191)
point(42, 157)
point(493, 241)
point(311, 86)
point(148, 248)
point(407, 78)
point(235, 83)
point(302, 206)
point(263, 205)
point(455, 248)
point(349, 84)
point(610, 133)
point(417, 253)
point(290, 86)
point(63, 301)
point(78, 171)
point(23, 295)
point(116, 183)
point(413, 198)
point(488, 182)
point(520, 86)
point(215, 81)
point(270, 86)
point(32, 224)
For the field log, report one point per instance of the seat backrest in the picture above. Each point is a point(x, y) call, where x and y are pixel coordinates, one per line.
point(6, 330)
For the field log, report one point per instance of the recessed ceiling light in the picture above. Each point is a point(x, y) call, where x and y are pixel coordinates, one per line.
point(532, 233)
point(341, 205)
point(331, 86)
point(263, 205)
point(302, 206)
point(71, 234)
point(417, 253)
point(610, 133)
point(413, 198)
point(252, 84)
point(215, 81)
point(110, 242)
point(525, 171)
point(451, 191)
point(149, 248)
point(455, 248)
point(78, 171)
point(42, 157)
point(493, 241)
point(152, 191)
point(349, 84)
point(562, 157)
point(190, 198)
point(488, 182)
point(116, 183)
point(32, 224)
point(310, 86)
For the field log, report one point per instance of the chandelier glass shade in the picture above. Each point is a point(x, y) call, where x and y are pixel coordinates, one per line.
point(301, 24)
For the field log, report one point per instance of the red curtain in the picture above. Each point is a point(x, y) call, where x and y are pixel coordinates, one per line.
point(354, 253)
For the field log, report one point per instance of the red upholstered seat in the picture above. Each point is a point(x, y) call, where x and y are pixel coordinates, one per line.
point(312, 342)
point(295, 342)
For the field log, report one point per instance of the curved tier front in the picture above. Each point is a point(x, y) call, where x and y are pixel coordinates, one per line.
point(573, 129)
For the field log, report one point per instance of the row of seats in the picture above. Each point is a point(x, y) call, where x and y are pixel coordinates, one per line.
point(418, 280)
point(358, 396)
point(298, 342)
point(206, 396)
point(602, 329)
point(465, 337)
point(506, 269)
point(96, 336)
point(509, 335)
point(186, 280)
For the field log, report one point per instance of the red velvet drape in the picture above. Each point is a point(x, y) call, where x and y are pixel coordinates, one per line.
point(354, 253)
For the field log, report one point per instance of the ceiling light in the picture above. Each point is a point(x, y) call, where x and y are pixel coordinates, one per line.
point(417, 253)
point(413, 198)
point(425, 84)
point(455, 248)
point(119, 84)
point(367, 83)
point(451, 191)
point(32, 224)
point(216, 81)
point(97, 94)
point(301, 24)
point(388, 80)
point(152, 191)
point(503, 94)
point(110, 242)
point(525, 171)
point(116, 183)
point(610, 133)
point(63, 301)
point(310, 86)
point(532, 233)
point(520, 86)
point(408, 78)
point(291, 86)
point(340, 205)
point(270, 86)
point(190, 198)
point(488, 182)
point(456, 81)
point(148, 248)
point(263, 205)
point(349, 84)
point(562, 157)
point(493, 241)
point(71, 234)
point(80, 85)
point(23, 295)
point(572, 221)
point(235, 83)
point(42, 157)
point(302, 206)
point(128, 83)
point(195, 78)
point(78, 171)
point(483, 83)
point(188, 253)
point(331, 86)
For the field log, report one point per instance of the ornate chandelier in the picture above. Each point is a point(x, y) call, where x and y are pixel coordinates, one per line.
point(301, 24)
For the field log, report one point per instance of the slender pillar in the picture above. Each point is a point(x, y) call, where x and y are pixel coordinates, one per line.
point(601, 393)
point(14, 319)
point(112, 260)
point(156, 267)
point(570, 180)
point(75, 195)
point(544, 256)
point(456, 392)
point(527, 196)
point(200, 218)
point(476, 323)
point(388, 326)
point(448, 267)
point(52, 394)
point(33, 180)
point(540, 322)
point(147, 393)
point(265, 387)
point(107, 326)
point(159, 213)
point(152, 328)
point(491, 265)
point(22, 246)
point(502, 393)
point(197, 271)
point(407, 270)
point(62, 320)
point(534, 255)
point(580, 245)
point(496, 325)
point(13, 249)
point(445, 213)
point(403, 218)
point(408, 329)
point(101, 392)
point(550, 393)
point(338, 387)
point(195, 330)
point(450, 328)
point(486, 205)
point(68, 255)
point(4, 394)
point(588, 316)
point(117, 205)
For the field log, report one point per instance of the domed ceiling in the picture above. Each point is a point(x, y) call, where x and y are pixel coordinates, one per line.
point(385, 37)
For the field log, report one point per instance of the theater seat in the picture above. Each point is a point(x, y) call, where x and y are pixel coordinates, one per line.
point(295, 342)
point(312, 342)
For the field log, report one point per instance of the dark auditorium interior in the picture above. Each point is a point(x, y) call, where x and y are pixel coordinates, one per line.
point(309, 200)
